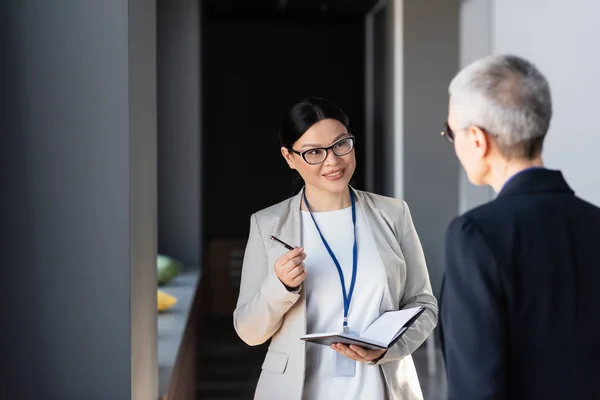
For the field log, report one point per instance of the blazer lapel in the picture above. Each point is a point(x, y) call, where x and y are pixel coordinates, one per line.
point(385, 239)
point(289, 228)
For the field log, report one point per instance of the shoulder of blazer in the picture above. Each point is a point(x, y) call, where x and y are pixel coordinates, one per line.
point(390, 205)
point(276, 210)
point(392, 211)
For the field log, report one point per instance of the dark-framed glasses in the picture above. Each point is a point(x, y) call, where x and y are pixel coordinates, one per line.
point(317, 155)
point(448, 133)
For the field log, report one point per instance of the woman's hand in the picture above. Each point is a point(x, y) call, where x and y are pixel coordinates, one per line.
point(290, 269)
point(358, 353)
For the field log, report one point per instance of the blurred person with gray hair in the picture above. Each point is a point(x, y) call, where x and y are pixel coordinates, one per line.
point(520, 303)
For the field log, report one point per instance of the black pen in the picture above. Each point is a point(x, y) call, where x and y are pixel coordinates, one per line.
point(284, 244)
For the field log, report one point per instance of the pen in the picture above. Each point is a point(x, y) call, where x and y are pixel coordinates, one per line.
point(284, 244)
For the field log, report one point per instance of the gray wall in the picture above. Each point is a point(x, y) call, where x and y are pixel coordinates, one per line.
point(78, 167)
point(475, 42)
point(142, 199)
point(563, 40)
point(179, 130)
point(407, 105)
point(430, 182)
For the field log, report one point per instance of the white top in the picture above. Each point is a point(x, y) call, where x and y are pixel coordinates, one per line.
point(325, 307)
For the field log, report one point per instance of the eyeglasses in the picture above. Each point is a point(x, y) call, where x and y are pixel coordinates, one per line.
point(448, 133)
point(318, 154)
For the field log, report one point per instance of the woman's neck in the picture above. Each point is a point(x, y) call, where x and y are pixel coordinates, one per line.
point(322, 201)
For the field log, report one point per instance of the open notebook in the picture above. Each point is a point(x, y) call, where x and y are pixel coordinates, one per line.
point(381, 334)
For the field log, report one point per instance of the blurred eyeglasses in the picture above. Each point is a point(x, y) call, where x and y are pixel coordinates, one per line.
point(448, 133)
point(317, 155)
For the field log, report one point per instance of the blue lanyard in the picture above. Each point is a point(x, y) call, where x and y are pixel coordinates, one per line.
point(347, 296)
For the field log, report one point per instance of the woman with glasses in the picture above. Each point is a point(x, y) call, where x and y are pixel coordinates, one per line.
point(331, 259)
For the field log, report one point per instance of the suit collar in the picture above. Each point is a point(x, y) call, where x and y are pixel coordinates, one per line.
point(290, 226)
point(536, 180)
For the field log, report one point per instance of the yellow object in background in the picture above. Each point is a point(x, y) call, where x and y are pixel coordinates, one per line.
point(165, 301)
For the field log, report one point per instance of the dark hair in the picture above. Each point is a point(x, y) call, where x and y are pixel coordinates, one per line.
point(305, 114)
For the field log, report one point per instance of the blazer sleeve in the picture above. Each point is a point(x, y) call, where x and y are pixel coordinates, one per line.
point(263, 299)
point(473, 316)
point(417, 292)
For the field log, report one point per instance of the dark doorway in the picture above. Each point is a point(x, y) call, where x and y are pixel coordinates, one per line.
point(256, 64)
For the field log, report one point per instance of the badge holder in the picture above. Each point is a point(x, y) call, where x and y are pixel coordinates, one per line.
point(342, 365)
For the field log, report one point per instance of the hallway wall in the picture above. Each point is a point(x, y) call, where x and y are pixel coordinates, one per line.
point(179, 130)
point(77, 210)
point(421, 58)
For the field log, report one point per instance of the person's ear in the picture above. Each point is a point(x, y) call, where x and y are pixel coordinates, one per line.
point(479, 140)
point(289, 157)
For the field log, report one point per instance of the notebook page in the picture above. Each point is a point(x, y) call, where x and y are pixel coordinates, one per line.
point(385, 328)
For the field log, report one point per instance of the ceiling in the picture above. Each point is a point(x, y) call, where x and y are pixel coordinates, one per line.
point(284, 9)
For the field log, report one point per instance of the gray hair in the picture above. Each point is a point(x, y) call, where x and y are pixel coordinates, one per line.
point(507, 97)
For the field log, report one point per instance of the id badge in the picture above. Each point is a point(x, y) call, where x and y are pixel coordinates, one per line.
point(343, 366)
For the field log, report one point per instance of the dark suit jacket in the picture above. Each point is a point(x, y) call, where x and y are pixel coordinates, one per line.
point(521, 296)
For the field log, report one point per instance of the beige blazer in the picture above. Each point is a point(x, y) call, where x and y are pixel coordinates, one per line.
point(266, 310)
